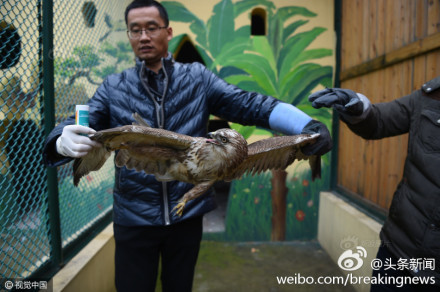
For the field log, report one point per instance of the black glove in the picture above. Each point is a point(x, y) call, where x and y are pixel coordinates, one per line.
point(324, 142)
point(345, 101)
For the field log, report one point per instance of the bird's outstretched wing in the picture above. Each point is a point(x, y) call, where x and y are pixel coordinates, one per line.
point(278, 153)
point(141, 147)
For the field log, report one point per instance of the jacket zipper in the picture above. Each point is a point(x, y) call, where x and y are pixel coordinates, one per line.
point(160, 116)
point(166, 211)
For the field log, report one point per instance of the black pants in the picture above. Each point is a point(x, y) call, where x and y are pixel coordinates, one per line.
point(138, 249)
point(383, 254)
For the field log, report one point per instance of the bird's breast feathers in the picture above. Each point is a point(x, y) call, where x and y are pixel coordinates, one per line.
point(203, 161)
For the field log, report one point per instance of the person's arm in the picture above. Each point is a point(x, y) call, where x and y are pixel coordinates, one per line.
point(370, 121)
point(50, 155)
point(67, 141)
point(233, 104)
point(289, 120)
point(252, 108)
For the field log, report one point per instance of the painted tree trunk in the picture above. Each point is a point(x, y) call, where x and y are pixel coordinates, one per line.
point(279, 198)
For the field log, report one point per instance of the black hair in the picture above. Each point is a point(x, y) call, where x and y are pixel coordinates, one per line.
point(148, 3)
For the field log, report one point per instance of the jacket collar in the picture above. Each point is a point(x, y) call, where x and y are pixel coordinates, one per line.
point(431, 85)
point(167, 64)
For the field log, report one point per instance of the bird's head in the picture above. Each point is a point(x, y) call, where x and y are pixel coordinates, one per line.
point(228, 143)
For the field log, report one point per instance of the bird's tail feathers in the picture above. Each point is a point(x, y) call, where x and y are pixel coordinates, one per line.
point(94, 160)
point(315, 166)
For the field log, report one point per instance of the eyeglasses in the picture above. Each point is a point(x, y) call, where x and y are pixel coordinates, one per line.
point(151, 31)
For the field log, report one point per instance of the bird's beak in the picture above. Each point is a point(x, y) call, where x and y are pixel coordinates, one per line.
point(211, 139)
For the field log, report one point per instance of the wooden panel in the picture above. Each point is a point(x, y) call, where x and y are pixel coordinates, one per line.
point(422, 46)
point(347, 46)
point(363, 169)
point(373, 169)
point(408, 27)
point(433, 16)
point(433, 63)
point(391, 33)
point(421, 15)
point(389, 49)
point(364, 7)
point(373, 28)
point(376, 29)
point(419, 72)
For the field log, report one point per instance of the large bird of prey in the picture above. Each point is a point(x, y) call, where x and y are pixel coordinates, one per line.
point(223, 155)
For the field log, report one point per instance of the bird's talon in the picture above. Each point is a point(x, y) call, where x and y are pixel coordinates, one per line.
point(179, 208)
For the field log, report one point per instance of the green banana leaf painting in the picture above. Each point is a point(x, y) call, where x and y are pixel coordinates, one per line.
point(279, 64)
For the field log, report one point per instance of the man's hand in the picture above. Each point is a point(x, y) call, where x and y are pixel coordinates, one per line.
point(324, 142)
point(74, 142)
point(345, 101)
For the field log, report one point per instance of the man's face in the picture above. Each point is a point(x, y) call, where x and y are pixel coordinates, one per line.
point(150, 48)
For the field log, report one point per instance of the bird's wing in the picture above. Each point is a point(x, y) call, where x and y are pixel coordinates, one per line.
point(139, 147)
point(94, 160)
point(277, 153)
point(121, 137)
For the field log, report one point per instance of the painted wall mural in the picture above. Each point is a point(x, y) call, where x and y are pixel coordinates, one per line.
point(284, 63)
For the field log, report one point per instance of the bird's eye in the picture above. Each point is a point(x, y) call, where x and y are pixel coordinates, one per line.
point(224, 140)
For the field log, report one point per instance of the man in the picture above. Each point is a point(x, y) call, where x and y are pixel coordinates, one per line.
point(177, 97)
point(412, 229)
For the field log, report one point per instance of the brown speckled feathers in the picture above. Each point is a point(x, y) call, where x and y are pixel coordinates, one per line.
point(224, 155)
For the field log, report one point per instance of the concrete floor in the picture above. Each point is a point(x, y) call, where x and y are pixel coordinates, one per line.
point(228, 266)
point(214, 221)
point(224, 266)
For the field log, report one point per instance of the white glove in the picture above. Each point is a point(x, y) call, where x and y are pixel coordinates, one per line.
point(72, 144)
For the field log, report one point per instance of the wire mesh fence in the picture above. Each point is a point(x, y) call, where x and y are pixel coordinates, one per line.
point(89, 42)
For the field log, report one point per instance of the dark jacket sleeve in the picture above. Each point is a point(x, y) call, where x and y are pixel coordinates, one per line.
point(236, 105)
point(385, 119)
point(50, 155)
point(98, 121)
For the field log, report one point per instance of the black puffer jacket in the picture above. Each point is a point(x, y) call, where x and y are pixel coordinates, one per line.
point(412, 229)
point(192, 93)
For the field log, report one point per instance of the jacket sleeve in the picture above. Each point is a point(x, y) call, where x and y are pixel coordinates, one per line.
point(50, 155)
point(98, 120)
point(385, 119)
point(236, 105)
